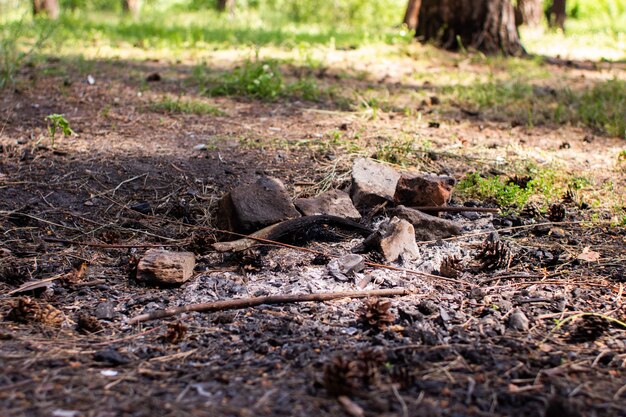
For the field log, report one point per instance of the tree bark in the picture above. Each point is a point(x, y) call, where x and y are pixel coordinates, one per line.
point(556, 14)
point(528, 12)
point(49, 7)
point(485, 25)
point(412, 13)
point(225, 5)
point(132, 7)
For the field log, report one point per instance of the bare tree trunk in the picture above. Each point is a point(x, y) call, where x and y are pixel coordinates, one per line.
point(225, 5)
point(49, 7)
point(132, 7)
point(528, 12)
point(412, 14)
point(485, 25)
point(556, 14)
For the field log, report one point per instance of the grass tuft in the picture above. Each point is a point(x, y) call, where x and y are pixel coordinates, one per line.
point(259, 79)
point(603, 107)
point(170, 105)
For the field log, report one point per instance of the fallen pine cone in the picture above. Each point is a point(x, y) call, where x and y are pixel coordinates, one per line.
point(341, 376)
point(27, 310)
point(450, 267)
point(88, 324)
point(531, 210)
point(495, 254)
point(175, 332)
point(589, 329)
point(13, 274)
point(556, 213)
point(374, 313)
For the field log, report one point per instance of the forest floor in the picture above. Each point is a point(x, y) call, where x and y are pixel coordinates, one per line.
point(165, 145)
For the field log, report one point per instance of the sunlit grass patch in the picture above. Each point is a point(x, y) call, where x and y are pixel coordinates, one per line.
point(261, 79)
point(526, 183)
point(179, 105)
point(603, 107)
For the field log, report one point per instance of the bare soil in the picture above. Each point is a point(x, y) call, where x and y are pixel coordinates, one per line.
point(134, 177)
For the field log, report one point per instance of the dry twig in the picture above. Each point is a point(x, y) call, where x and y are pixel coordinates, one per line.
point(270, 300)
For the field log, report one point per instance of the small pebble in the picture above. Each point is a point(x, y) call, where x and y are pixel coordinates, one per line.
point(518, 321)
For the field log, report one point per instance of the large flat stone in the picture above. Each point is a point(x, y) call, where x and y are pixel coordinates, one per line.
point(427, 227)
point(333, 202)
point(423, 190)
point(373, 183)
point(251, 207)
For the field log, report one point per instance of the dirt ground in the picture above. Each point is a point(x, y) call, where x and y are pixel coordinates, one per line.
point(133, 176)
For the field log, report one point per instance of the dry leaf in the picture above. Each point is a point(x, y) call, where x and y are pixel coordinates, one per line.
point(588, 255)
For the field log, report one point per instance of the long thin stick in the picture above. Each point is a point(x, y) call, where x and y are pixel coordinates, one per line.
point(272, 299)
point(457, 209)
point(110, 246)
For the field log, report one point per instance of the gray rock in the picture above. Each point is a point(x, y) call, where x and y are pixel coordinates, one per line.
point(518, 321)
point(105, 310)
point(427, 227)
point(398, 240)
point(333, 202)
point(166, 268)
point(373, 183)
point(342, 268)
point(471, 215)
point(423, 190)
point(251, 207)
point(351, 263)
point(427, 307)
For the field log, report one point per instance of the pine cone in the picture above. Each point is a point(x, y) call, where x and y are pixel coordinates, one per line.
point(589, 329)
point(13, 274)
point(450, 267)
point(402, 376)
point(341, 376)
point(175, 332)
point(570, 196)
point(88, 324)
point(369, 362)
point(374, 313)
point(532, 211)
point(521, 182)
point(556, 213)
point(27, 310)
point(495, 254)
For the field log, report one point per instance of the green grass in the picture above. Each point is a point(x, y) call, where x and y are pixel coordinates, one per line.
point(179, 105)
point(20, 41)
point(207, 29)
point(601, 107)
point(497, 188)
point(544, 185)
point(261, 79)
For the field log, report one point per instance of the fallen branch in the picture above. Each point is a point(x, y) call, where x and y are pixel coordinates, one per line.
point(456, 209)
point(111, 245)
point(289, 229)
point(270, 300)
